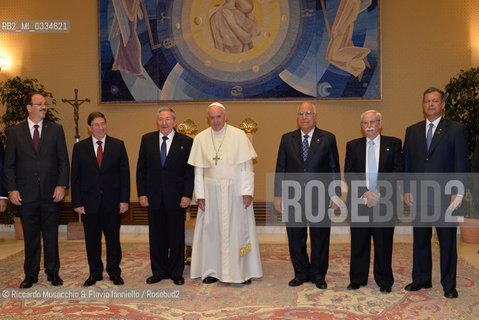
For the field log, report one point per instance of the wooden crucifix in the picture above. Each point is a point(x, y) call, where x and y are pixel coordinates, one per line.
point(76, 111)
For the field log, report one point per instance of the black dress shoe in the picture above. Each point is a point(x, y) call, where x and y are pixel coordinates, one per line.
point(296, 282)
point(28, 282)
point(117, 280)
point(247, 281)
point(55, 280)
point(155, 279)
point(209, 280)
point(320, 284)
point(385, 289)
point(179, 281)
point(450, 293)
point(413, 286)
point(354, 286)
point(92, 280)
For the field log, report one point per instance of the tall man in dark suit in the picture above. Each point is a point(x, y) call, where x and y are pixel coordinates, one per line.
point(302, 154)
point(101, 193)
point(165, 181)
point(367, 159)
point(3, 190)
point(36, 176)
point(438, 147)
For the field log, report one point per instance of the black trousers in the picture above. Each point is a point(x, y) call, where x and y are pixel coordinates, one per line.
point(40, 219)
point(167, 241)
point(318, 266)
point(422, 257)
point(361, 255)
point(108, 222)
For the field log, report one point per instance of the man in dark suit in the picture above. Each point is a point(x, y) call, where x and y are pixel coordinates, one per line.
point(36, 176)
point(437, 147)
point(302, 154)
point(367, 159)
point(3, 190)
point(165, 181)
point(101, 193)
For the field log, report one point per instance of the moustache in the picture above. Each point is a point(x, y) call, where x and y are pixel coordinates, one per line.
point(369, 129)
point(43, 109)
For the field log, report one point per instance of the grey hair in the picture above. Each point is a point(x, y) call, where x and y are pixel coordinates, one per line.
point(166, 109)
point(433, 89)
point(378, 114)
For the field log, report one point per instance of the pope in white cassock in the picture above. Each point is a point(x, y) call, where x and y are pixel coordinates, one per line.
point(225, 244)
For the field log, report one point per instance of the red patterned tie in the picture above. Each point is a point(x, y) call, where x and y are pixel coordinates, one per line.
point(36, 138)
point(99, 153)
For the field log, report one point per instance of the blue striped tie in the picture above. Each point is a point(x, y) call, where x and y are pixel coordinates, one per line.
point(305, 147)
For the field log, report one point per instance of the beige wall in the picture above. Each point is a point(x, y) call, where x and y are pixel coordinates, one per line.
point(424, 43)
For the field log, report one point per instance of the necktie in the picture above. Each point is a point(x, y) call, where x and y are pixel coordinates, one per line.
point(373, 170)
point(99, 153)
point(429, 135)
point(36, 138)
point(305, 147)
point(163, 150)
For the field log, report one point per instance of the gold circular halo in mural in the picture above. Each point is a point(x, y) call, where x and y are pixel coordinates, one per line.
point(234, 40)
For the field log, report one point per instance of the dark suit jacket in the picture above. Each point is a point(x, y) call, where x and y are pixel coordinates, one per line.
point(475, 159)
point(446, 159)
point(30, 172)
point(169, 183)
point(3, 189)
point(447, 154)
point(91, 184)
point(322, 158)
point(390, 161)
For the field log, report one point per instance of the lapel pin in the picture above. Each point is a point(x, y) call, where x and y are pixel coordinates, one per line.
point(181, 147)
point(387, 149)
point(317, 140)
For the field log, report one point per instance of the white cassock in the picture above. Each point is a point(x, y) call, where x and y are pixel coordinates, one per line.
point(225, 244)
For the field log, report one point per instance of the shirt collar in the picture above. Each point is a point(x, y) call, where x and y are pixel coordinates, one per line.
point(376, 140)
point(170, 135)
point(31, 123)
point(435, 122)
point(95, 140)
point(310, 134)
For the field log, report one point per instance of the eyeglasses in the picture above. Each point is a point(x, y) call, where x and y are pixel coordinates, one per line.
point(372, 122)
point(433, 101)
point(98, 125)
point(307, 114)
point(46, 104)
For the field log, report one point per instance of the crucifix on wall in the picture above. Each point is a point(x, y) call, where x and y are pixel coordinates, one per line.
point(76, 111)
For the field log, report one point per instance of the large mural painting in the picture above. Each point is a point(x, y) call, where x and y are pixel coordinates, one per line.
point(198, 50)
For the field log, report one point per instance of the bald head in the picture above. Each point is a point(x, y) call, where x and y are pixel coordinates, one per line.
point(306, 117)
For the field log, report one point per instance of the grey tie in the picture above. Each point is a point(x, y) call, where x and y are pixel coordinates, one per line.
point(429, 135)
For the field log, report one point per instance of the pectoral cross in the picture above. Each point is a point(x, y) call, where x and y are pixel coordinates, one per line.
point(216, 158)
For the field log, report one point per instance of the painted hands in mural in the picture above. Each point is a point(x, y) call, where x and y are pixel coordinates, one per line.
point(233, 26)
